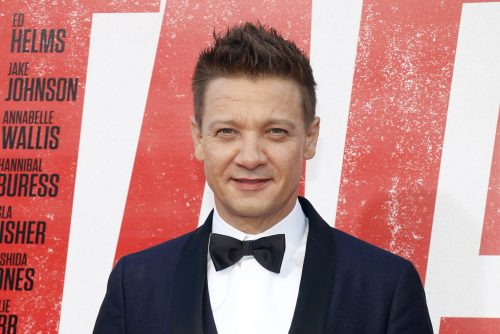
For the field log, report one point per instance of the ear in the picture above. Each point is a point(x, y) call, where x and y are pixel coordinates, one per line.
point(312, 134)
point(199, 152)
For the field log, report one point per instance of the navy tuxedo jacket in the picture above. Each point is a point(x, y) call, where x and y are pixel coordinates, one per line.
point(347, 287)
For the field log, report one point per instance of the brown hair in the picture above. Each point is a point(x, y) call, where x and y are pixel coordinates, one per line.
point(256, 51)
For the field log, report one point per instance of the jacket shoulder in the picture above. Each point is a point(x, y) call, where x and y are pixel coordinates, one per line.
point(154, 263)
point(165, 251)
point(388, 287)
point(358, 251)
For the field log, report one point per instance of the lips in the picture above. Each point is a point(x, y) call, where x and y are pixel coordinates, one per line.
point(251, 180)
point(251, 183)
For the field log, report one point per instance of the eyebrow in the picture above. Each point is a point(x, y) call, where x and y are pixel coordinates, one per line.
point(281, 121)
point(219, 122)
point(276, 121)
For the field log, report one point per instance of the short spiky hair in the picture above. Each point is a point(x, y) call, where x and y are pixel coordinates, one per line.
point(256, 51)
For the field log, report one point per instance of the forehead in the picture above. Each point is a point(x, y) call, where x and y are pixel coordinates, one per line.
point(248, 98)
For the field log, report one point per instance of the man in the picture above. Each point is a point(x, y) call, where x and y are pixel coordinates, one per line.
point(264, 261)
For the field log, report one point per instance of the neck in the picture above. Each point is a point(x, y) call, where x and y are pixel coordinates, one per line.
point(257, 224)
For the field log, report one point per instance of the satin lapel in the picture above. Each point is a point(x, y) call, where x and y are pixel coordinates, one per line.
point(316, 283)
point(189, 283)
point(208, 316)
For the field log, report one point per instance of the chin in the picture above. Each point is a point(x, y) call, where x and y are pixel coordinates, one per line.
point(249, 208)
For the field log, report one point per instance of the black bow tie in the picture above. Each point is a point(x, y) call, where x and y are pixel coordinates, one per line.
point(268, 251)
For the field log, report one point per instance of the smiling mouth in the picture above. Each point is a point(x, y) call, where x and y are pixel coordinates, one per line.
point(250, 184)
point(251, 180)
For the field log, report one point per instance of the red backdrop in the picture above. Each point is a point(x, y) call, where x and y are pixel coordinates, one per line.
point(401, 85)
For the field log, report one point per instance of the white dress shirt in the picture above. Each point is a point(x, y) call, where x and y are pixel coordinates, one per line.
point(249, 299)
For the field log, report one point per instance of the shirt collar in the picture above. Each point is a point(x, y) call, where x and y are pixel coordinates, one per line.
point(293, 226)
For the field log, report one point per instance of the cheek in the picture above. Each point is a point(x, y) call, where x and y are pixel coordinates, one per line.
point(289, 161)
point(217, 159)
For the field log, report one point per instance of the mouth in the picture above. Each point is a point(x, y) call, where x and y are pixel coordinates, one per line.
point(251, 184)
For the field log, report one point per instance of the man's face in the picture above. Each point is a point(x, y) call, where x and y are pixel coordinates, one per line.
point(253, 141)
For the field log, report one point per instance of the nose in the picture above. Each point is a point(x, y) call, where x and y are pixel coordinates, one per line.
point(250, 155)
